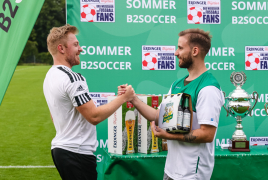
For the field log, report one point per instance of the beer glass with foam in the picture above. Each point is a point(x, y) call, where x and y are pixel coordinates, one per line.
point(130, 125)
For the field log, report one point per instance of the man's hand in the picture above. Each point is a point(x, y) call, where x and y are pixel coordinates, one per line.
point(95, 115)
point(148, 112)
point(129, 93)
point(121, 89)
point(158, 132)
point(203, 135)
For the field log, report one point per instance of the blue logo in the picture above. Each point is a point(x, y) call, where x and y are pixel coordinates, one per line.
point(211, 119)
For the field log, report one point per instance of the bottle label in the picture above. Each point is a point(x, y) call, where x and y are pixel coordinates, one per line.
point(180, 118)
point(186, 119)
point(168, 114)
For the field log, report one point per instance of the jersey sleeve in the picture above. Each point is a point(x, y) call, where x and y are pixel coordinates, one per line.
point(78, 92)
point(208, 107)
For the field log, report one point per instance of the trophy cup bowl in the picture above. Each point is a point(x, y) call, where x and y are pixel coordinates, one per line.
point(238, 105)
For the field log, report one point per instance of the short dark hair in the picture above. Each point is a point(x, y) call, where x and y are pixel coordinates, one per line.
point(198, 37)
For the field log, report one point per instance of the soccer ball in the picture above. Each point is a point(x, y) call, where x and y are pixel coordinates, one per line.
point(252, 61)
point(88, 13)
point(149, 61)
point(195, 15)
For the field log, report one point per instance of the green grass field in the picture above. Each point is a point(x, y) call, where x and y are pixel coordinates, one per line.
point(26, 129)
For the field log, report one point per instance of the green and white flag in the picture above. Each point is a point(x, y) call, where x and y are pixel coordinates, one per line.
point(17, 18)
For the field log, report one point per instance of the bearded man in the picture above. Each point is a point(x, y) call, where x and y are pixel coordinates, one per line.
point(190, 156)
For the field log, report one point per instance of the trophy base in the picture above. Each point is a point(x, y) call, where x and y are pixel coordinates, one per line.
point(239, 146)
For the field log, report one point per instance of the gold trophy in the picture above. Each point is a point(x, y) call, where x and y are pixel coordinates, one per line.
point(130, 125)
point(238, 106)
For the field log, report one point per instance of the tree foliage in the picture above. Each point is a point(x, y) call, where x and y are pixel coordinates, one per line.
point(51, 15)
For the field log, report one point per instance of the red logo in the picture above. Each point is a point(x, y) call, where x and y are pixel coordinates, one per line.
point(155, 101)
point(213, 3)
point(129, 105)
point(168, 49)
point(194, 15)
point(88, 13)
point(107, 1)
point(149, 61)
point(253, 61)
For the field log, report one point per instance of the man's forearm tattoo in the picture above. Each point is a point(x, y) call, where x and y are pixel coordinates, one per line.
point(189, 137)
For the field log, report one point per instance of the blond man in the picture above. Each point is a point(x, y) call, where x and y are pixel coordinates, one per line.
point(72, 111)
point(191, 156)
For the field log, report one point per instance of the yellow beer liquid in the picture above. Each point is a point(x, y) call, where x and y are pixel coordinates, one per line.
point(130, 124)
point(154, 143)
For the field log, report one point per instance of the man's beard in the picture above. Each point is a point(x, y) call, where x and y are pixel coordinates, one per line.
point(186, 62)
point(72, 60)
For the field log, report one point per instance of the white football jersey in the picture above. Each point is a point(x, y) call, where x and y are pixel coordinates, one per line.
point(196, 160)
point(64, 90)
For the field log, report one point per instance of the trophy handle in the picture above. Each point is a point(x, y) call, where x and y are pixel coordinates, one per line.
point(223, 104)
point(265, 107)
point(256, 99)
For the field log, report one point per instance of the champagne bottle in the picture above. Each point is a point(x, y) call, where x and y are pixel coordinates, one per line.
point(180, 116)
point(186, 116)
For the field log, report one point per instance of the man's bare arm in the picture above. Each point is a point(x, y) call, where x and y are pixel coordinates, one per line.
point(146, 111)
point(205, 134)
point(95, 115)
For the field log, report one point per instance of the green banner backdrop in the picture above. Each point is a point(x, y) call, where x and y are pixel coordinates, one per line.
point(116, 35)
point(17, 18)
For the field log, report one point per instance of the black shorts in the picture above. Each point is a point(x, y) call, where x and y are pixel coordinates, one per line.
point(74, 166)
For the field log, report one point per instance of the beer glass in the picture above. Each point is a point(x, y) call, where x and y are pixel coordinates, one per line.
point(130, 125)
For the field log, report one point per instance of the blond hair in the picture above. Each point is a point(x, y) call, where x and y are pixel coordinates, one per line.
point(198, 37)
point(58, 35)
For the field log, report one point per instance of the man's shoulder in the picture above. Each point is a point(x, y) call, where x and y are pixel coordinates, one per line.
point(209, 89)
point(212, 93)
point(210, 80)
point(56, 75)
point(179, 80)
point(68, 74)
